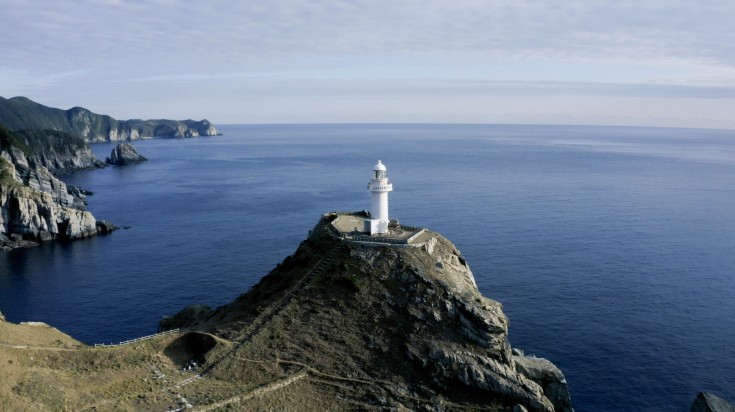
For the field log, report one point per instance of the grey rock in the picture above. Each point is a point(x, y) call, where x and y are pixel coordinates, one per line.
point(104, 227)
point(28, 171)
point(189, 316)
point(36, 206)
point(57, 151)
point(125, 154)
point(706, 402)
point(479, 355)
point(549, 377)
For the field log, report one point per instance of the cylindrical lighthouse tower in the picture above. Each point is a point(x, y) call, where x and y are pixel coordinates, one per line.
point(379, 187)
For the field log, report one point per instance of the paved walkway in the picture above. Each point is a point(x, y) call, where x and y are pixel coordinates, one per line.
point(352, 227)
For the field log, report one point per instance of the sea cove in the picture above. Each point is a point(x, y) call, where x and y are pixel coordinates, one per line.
point(610, 248)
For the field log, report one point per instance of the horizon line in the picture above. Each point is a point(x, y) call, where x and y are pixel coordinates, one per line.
point(469, 124)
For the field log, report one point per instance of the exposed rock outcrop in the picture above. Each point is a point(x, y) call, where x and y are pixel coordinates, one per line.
point(190, 315)
point(36, 206)
point(706, 402)
point(59, 152)
point(548, 376)
point(19, 113)
point(400, 315)
point(125, 154)
point(104, 227)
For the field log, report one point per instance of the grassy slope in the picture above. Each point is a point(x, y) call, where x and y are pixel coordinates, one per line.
point(49, 374)
point(9, 139)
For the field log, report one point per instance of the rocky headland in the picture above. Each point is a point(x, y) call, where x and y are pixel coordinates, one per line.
point(340, 325)
point(124, 154)
point(38, 143)
point(35, 205)
point(20, 113)
point(393, 326)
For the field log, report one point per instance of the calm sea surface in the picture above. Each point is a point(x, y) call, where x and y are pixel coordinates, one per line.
point(612, 249)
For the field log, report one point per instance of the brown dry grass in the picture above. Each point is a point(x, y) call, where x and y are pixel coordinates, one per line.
point(45, 370)
point(36, 335)
point(41, 374)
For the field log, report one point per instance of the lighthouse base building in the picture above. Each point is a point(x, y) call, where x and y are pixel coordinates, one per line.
point(376, 227)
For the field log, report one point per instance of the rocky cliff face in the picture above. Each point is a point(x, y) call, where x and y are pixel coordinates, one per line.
point(59, 152)
point(19, 113)
point(408, 320)
point(35, 206)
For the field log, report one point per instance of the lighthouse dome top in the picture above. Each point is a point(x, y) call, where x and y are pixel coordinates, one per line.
point(379, 166)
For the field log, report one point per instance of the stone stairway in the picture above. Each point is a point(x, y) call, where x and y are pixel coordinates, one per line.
point(257, 324)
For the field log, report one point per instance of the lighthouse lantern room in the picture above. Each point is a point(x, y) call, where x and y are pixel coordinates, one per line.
point(379, 187)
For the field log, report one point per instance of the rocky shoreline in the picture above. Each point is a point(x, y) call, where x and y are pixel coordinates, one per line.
point(35, 205)
point(38, 143)
point(38, 207)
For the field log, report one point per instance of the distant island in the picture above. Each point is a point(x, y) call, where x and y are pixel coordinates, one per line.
point(18, 113)
point(40, 143)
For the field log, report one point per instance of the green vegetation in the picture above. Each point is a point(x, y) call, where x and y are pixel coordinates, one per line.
point(50, 140)
point(16, 112)
point(7, 179)
point(9, 139)
point(19, 113)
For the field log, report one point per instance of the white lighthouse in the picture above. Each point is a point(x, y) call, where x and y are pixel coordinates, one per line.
point(379, 187)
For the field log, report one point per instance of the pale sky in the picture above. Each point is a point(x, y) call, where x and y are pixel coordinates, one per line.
point(621, 62)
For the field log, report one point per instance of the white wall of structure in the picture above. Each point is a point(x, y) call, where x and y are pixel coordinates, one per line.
point(379, 187)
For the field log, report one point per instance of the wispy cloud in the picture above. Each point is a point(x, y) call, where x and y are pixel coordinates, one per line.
point(201, 34)
point(674, 49)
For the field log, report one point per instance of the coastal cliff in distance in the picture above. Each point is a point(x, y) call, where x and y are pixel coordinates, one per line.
point(57, 151)
point(342, 324)
point(35, 205)
point(20, 113)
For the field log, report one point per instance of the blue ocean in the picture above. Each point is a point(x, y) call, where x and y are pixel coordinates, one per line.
point(612, 249)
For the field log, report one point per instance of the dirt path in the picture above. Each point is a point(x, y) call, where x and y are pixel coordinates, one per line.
point(52, 348)
point(259, 391)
